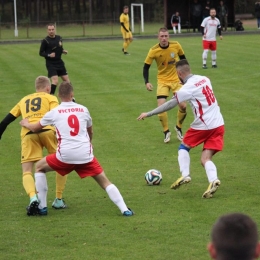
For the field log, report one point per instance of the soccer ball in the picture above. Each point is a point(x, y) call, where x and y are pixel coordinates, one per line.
point(153, 177)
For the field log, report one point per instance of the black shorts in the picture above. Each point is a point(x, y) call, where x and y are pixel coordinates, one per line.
point(56, 68)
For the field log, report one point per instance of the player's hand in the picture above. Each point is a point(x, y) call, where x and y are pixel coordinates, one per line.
point(65, 51)
point(142, 116)
point(24, 122)
point(52, 55)
point(149, 86)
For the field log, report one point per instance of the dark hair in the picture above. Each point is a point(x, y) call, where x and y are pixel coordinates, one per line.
point(183, 66)
point(235, 237)
point(65, 89)
point(182, 63)
point(126, 6)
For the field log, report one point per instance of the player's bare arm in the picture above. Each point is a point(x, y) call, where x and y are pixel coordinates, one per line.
point(32, 127)
point(65, 52)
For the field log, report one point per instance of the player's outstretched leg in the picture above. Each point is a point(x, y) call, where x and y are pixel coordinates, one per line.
point(113, 193)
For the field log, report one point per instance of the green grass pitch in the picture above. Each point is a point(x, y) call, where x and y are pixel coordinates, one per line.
point(168, 224)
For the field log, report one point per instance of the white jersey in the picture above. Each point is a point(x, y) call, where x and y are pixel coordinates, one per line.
point(210, 28)
point(71, 121)
point(199, 93)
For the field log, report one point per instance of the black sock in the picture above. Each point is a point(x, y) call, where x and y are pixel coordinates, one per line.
point(53, 88)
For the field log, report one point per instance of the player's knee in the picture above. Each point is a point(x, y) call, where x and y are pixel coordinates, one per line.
point(65, 78)
point(54, 82)
point(40, 166)
point(182, 107)
point(203, 161)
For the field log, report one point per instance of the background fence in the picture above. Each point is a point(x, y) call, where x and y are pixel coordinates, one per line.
point(97, 28)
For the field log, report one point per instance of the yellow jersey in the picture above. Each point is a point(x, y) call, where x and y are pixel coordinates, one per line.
point(124, 18)
point(34, 107)
point(165, 59)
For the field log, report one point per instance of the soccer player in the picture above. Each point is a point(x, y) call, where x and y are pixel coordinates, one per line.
point(234, 237)
point(74, 131)
point(52, 49)
point(34, 107)
point(166, 53)
point(209, 27)
point(125, 29)
point(207, 127)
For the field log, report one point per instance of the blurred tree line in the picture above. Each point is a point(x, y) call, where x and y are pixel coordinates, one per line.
point(76, 10)
point(89, 11)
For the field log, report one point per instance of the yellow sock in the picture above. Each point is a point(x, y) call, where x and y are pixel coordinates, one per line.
point(29, 184)
point(60, 185)
point(181, 114)
point(125, 45)
point(163, 117)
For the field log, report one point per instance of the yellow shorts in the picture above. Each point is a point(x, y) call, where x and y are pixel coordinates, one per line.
point(33, 144)
point(126, 35)
point(163, 89)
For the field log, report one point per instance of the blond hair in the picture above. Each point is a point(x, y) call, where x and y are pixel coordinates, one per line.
point(163, 29)
point(42, 82)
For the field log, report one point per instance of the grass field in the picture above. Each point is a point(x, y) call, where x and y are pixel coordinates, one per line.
point(168, 224)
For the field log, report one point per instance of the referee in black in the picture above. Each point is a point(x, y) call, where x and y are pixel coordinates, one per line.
point(51, 49)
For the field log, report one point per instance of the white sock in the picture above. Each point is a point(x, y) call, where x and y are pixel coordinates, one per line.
point(116, 197)
point(179, 28)
point(205, 56)
point(214, 57)
point(184, 162)
point(42, 188)
point(211, 171)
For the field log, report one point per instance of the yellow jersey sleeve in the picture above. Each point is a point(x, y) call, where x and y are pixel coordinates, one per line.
point(34, 107)
point(151, 54)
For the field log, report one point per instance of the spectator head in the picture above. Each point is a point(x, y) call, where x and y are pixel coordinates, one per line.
point(234, 237)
